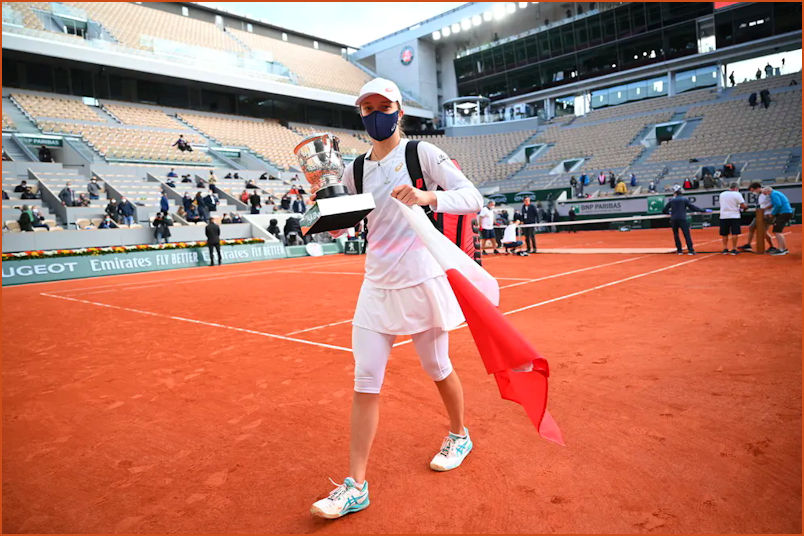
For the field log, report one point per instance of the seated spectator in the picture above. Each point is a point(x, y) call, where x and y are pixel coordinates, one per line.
point(633, 181)
point(235, 217)
point(182, 144)
point(228, 175)
point(83, 200)
point(244, 196)
point(5, 195)
point(44, 154)
point(273, 228)
point(182, 213)
point(200, 183)
point(192, 214)
point(107, 223)
point(601, 179)
point(161, 226)
point(26, 219)
point(687, 184)
point(264, 176)
point(171, 183)
point(186, 178)
point(285, 202)
point(67, 196)
point(39, 220)
point(94, 188)
point(298, 205)
point(652, 186)
point(126, 211)
point(172, 173)
point(250, 184)
point(21, 187)
point(28, 193)
point(256, 202)
point(752, 100)
point(620, 188)
point(226, 219)
point(111, 210)
point(612, 180)
point(236, 176)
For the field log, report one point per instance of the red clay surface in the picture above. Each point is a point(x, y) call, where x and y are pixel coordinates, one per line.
point(678, 393)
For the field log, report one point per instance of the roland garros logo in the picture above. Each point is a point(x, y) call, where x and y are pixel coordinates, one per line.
point(406, 56)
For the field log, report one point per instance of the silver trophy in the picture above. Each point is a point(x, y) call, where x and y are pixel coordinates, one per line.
point(321, 162)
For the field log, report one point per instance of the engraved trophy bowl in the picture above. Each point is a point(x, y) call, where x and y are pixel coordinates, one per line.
point(322, 164)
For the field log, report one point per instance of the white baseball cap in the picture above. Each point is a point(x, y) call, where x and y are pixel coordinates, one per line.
point(380, 86)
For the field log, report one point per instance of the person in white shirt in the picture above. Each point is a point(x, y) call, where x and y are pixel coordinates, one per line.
point(404, 292)
point(731, 203)
point(510, 242)
point(487, 228)
point(763, 202)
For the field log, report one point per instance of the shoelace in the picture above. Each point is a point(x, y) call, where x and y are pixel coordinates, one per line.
point(339, 490)
point(447, 445)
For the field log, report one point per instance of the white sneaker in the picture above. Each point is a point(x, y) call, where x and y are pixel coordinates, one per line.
point(344, 499)
point(453, 450)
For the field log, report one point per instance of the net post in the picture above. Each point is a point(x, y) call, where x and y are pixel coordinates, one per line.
point(760, 231)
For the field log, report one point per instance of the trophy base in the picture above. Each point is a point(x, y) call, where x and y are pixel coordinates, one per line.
point(336, 190)
point(334, 213)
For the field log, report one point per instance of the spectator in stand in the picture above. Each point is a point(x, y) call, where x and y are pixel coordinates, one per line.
point(170, 182)
point(211, 201)
point(67, 196)
point(273, 228)
point(5, 195)
point(510, 242)
point(731, 203)
point(633, 181)
point(182, 144)
point(250, 184)
point(213, 233)
point(601, 178)
point(620, 189)
point(758, 73)
point(530, 216)
point(677, 207)
point(256, 202)
point(687, 184)
point(201, 207)
point(93, 188)
point(244, 196)
point(111, 210)
point(226, 219)
point(126, 211)
point(192, 214)
point(752, 100)
point(161, 227)
point(299, 206)
point(731, 79)
point(652, 186)
point(764, 97)
point(181, 213)
point(44, 154)
point(213, 181)
point(26, 219)
point(21, 187)
point(29, 193)
point(186, 178)
point(763, 202)
point(200, 183)
point(107, 223)
point(186, 201)
point(612, 180)
point(235, 217)
point(264, 176)
point(227, 176)
point(83, 201)
point(164, 204)
point(198, 199)
point(782, 213)
point(172, 174)
point(487, 228)
point(285, 202)
point(768, 70)
point(574, 186)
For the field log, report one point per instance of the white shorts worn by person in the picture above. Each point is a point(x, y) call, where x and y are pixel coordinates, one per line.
point(405, 291)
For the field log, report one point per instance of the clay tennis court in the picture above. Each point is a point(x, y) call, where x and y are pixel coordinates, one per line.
point(217, 399)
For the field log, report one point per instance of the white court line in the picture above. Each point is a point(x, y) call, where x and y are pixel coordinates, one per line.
point(525, 282)
point(590, 289)
point(193, 321)
point(128, 286)
point(319, 327)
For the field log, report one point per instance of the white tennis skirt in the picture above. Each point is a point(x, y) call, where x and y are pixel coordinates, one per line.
point(405, 311)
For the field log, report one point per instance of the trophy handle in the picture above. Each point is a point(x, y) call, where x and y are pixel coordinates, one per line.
point(336, 144)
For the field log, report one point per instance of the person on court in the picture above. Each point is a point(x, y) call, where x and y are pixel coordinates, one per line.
point(678, 206)
point(781, 212)
point(404, 291)
point(763, 202)
point(487, 228)
point(530, 215)
point(731, 203)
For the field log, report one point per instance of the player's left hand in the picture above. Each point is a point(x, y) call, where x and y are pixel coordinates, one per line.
point(410, 196)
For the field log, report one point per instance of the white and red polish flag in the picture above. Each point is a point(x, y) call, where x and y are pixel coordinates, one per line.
point(521, 373)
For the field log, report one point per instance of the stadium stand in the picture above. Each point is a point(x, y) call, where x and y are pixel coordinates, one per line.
point(351, 141)
point(650, 105)
point(140, 116)
point(774, 82)
point(8, 124)
point(41, 106)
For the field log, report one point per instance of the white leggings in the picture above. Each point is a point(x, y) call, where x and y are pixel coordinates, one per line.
point(371, 351)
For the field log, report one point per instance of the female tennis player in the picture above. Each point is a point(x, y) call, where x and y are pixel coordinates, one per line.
point(404, 291)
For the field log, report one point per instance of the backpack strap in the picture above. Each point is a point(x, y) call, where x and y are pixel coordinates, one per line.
point(414, 165)
point(357, 171)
